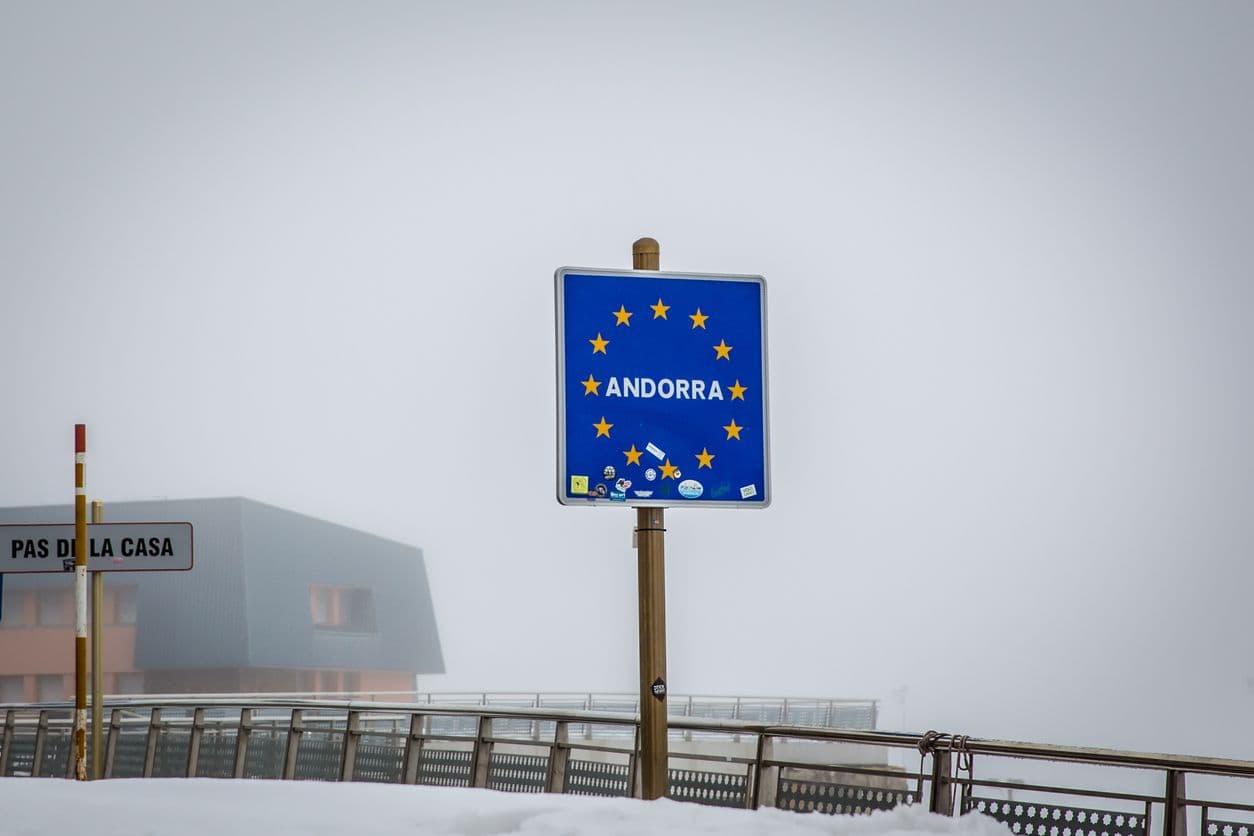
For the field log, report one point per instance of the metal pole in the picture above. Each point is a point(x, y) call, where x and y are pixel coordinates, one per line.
point(80, 605)
point(97, 671)
point(651, 550)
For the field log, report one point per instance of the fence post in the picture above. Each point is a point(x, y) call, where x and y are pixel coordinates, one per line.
point(150, 747)
point(633, 765)
point(413, 749)
point(942, 799)
point(753, 795)
point(294, 729)
point(111, 745)
point(193, 744)
point(241, 742)
point(69, 761)
point(6, 742)
point(1175, 810)
point(559, 757)
point(41, 733)
point(481, 760)
point(348, 758)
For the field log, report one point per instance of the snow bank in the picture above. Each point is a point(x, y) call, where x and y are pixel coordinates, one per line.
point(211, 807)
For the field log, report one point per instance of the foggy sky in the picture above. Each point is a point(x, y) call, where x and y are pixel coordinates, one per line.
point(303, 252)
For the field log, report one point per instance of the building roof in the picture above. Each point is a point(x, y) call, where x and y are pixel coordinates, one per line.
point(246, 602)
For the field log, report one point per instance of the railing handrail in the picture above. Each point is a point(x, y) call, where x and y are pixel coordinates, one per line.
point(430, 696)
point(943, 743)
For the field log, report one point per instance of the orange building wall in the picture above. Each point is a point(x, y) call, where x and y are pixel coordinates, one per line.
point(31, 650)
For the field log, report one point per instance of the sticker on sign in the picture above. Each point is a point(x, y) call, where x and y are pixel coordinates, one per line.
point(111, 547)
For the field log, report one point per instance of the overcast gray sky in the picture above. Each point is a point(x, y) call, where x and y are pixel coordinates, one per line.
point(303, 252)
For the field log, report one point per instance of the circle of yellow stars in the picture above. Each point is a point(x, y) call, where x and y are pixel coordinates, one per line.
point(722, 351)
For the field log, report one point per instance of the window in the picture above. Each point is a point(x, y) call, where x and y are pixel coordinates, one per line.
point(49, 687)
point(12, 689)
point(320, 605)
point(124, 607)
point(53, 609)
point(13, 608)
point(350, 609)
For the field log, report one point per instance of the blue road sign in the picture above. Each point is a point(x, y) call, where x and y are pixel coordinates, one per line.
point(661, 389)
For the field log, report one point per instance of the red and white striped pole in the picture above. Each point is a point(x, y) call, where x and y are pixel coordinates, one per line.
point(80, 605)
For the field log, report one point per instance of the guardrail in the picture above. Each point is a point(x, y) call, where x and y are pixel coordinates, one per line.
point(734, 763)
point(804, 711)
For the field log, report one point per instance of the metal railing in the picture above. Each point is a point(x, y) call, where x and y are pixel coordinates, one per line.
point(805, 711)
point(726, 762)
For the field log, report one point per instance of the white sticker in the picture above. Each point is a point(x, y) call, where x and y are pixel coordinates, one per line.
point(691, 489)
point(644, 494)
point(653, 448)
point(748, 491)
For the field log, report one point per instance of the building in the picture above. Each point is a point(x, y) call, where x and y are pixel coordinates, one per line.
point(276, 601)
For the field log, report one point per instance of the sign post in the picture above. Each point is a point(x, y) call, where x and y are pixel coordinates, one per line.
point(661, 401)
point(97, 674)
point(80, 605)
point(650, 537)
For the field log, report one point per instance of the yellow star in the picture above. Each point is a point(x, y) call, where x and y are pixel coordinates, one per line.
point(623, 316)
point(659, 310)
point(590, 386)
point(705, 457)
point(633, 455)
point(698, 319)
point(603, 429)
point(733, 431)
point(738, 391)
point(599, 344)
point(669, 470)
point(722, 350)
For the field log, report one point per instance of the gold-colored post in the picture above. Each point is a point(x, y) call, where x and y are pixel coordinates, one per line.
point(97, 671)
point(651, 551)
point(80, 605)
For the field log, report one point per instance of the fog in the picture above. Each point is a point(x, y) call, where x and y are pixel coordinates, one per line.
point(303, 252)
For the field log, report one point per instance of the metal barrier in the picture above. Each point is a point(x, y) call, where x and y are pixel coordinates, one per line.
point(743, 764)
point(797, 711)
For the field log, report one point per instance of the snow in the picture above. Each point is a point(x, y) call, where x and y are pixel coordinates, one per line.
point(212, 807)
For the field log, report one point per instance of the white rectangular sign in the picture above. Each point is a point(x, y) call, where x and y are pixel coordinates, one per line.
point(111, 547)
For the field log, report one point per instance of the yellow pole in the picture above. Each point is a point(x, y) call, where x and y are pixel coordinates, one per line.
point(651, 552)
point(97, 671)
point(80, 605)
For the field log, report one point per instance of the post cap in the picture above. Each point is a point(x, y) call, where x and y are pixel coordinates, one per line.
point(645, 245)
point(645, 254)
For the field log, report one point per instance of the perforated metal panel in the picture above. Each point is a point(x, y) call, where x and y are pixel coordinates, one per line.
point(21, 753)
point(380, 759)
point(58, 744)
point(171, 758)
point(716, 789)
point(444, 767)
point(454, 725)
point(596, 778)
point(319, 756)
point(761, 711)
point(264, 758)
point(128, 757)
point(1215, 827)
point(837, 799)
point(852, 716)
point(1033, 819)
point(518, 773)
point(217, 754)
